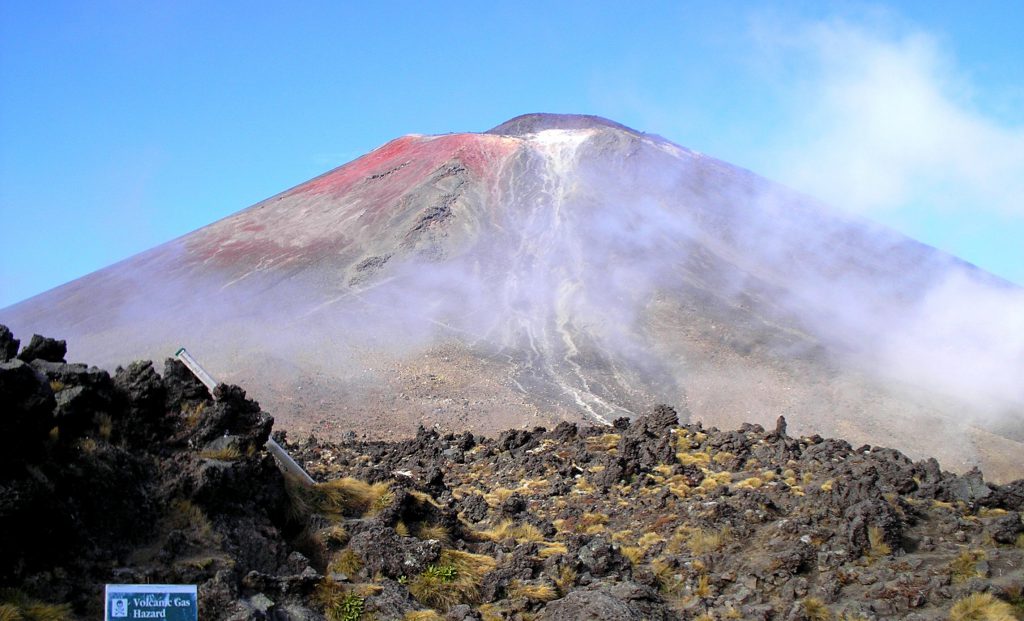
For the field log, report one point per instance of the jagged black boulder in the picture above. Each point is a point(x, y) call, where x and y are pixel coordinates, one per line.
point(8, 344)
point(624, 601)
point(27, 414)
point(44, 348)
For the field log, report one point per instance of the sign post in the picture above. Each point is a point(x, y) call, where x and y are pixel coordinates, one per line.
point(174, 602)
point(284, 460)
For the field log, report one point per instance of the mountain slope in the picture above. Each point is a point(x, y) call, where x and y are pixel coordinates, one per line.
point(567, 267)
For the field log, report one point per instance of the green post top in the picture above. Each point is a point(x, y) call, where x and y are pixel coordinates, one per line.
point(178, 353)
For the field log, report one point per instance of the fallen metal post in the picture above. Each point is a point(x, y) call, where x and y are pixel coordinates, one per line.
point(287, 464)
point(197, 370)
point(281, 456)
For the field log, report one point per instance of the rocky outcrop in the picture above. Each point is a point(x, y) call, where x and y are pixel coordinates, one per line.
point(654, 518)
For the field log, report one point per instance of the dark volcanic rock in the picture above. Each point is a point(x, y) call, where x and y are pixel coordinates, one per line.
point(382, 550)
point(8, 344)
point(44, 348)
point(27, 413)
point(233, 414)
point(625, 601)
point(83, 394)
point(182, 386)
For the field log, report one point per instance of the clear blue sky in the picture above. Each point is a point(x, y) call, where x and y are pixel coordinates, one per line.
point(126, 124)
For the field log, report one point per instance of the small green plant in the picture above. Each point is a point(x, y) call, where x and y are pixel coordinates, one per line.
point(351, 608)
point(454, 580)
point(340, 604)
point(445, 573)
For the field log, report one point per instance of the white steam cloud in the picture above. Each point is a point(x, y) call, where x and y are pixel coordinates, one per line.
point(883, 122)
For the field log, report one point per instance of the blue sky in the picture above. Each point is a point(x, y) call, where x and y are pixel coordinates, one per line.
point(126, 124)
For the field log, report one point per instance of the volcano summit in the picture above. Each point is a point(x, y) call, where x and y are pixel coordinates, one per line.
point(564, 267)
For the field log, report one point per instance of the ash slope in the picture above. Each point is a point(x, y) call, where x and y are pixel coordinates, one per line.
point(562, 267)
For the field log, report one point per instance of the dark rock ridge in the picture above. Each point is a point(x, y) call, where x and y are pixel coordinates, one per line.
point(535, 122)
point(145, 477)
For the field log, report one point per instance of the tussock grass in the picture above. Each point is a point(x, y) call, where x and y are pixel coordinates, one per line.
point(454, 580)
point(335, 535)
point(509, 530)
point(497, 496)
point(551, 548)
point(703, 587)
point(670, 580)
point(583, 486)
point(184, 515)
point(566, 579)
point(714, 479)
point(228, 453)
point(749, 483)
point(664, 470)
point(696, 458)
point(648, 540)
point(434, 531)
point(193, 413)
point(634, 553)
point(536, 592)
point(816, 610)
point(877, 547)
point(346, 497)
point(608, 442)
point(339, 604)
point(990, 512)
point(723, 457)
point(592, 523)
point(699, 541)
point(964, 566)
point(422, 615)
point(345, 562)
point(15, 605)
point(424, 498)
point(981, 607)
point(104, 425)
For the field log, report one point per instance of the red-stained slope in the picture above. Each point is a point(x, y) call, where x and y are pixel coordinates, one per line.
point(318, 217)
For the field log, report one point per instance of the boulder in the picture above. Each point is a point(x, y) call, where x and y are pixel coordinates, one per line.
point(44, 348)
point(623, 601)
point(8, 344)
point(28, 410)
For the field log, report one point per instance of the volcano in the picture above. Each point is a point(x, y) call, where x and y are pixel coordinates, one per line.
point(566, 267)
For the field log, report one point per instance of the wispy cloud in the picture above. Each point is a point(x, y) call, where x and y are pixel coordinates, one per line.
point(882, 120)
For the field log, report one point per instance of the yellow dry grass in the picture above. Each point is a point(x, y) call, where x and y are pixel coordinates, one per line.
point(434, 531)
point(608, 442)
point(507, 529)
point(422, 615)
point(533, 591)
point(346, 497)
point(981, 607)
